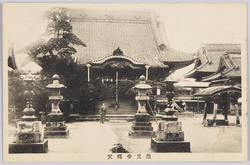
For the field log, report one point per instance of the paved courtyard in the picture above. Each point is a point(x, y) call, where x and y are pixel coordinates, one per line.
point(93, 137)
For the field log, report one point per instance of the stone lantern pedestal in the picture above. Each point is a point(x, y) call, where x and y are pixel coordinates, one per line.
point(141, 127)
point(169, 136)
point(29, 137)
point(55, 125)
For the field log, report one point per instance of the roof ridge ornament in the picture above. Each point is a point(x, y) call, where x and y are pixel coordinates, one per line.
point(137, 17)
point(110, 16)
point(118, 52)
point(162, 47)
point(83, 16)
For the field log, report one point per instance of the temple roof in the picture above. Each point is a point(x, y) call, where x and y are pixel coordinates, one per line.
point(209, 56)
point(229, 67)
point(139, 35)
point(230, 48)
point(212, 91)
point(235, 68)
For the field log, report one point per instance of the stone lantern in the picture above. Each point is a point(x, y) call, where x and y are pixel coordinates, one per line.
point(169, 137)
point(29, 137)
point(141, 127)
point(55, 125)
point(169, 111)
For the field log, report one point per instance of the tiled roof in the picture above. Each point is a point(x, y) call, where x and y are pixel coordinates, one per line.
point(223, 47)
point(175, 56)
point(211, 66)
point(209, 56)
point(211, 77)
point(235, 70)
point(211, 91)
point(138, 34)
point(229, 67)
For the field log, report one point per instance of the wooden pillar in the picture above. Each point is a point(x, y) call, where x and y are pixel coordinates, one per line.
point(205, 112)
point(147, 67)
point(116, 93)
point(227, 107)
point(236, 108)
point(198, 105)
point(88, 66)
point(215, 112)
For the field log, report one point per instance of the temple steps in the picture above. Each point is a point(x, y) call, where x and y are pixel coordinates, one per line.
point(121, 112)
point(111, 117)
point(108, 117)
point(124, 115)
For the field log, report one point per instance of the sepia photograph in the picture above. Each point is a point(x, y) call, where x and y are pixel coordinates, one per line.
point(124, 82)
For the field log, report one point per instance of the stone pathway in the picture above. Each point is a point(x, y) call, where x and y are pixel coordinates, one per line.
point(121, 130)
point(85, 137)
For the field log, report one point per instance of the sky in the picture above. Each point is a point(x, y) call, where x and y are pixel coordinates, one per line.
point(187, 26)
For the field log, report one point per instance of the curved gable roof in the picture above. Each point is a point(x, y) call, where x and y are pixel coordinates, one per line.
point(212, 91)
point(209, 56)
point(112, 57)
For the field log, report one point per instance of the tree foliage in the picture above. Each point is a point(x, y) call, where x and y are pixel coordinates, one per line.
point(62, 42)
point(17, 86)
point(56, 55)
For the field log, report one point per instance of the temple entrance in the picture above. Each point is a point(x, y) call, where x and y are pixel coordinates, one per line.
point(117, 88)
point(114, 76)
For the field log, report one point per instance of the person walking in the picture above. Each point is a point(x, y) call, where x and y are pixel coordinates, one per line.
point(103, 112)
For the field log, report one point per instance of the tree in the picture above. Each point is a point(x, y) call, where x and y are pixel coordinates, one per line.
point(56, 56)
point(63, 38)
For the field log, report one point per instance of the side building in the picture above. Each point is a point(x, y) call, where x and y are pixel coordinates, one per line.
point(228, 72)
point(220, 66)
point(208, 59)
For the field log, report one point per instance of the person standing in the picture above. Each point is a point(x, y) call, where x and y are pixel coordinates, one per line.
point(184, 105)
point(103, 112)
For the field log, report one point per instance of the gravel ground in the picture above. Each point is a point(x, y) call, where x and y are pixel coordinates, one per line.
point(220, 139)
point(93, 137)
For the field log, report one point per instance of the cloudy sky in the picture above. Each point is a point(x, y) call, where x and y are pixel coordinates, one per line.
point(187, 25)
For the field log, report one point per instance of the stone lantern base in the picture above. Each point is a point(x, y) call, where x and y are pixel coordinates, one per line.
point(29, 138)
point(141, 127)
point(169, 115)
point(41, 147)
point(56, 127)
point(170, 146)
point(169, 118)
point(170, 138)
